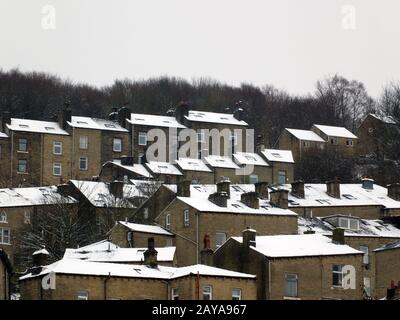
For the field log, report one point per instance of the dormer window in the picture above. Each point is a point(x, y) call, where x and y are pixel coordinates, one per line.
point(349, 223)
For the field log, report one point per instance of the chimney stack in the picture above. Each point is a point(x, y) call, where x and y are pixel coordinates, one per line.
point(150, 255)
point(181, 110)
point(394, 191)
point(262, 189)
point(250, 199)
point(5, 119)
point(183, 188)
point(279, 198)
point(367, 183)
point(338, 236)
point(224, 185)
point(117, 189)
point(219, 198)
point(65, 116)
point(206, 254)
point(123, 114)
point(333, 188)
point(298, 189)
point(113, 116)
point(249, 237)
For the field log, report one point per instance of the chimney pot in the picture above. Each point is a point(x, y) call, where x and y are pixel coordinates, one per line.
point(367, 183)
point(224, 185)
point(206, 254)
point(181, 110)
point(219, 198)
point(298, 189)
point(279, 198)
point(262, 189)
point(249, 237)
point(150, 255)
point(333, 188)
point(250, 199)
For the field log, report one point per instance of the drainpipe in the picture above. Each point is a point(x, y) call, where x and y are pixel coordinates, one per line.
point(197, 237)
point(269, 279)
point(12, 158)
point(105, 285)
point(198, 286)
point(41, 158)
point(73, 153)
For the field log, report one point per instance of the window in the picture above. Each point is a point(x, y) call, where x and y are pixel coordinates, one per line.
point(56, 169)
point(57, 148)
point(306, 144)
point(83, 163)
point(220, 238)
point(27, 217)
point(22, 166)
point(253, 178)
point(349, 143)
point(236, 294)
point(117, 145)
point(291, 284)
point(174, 294)
point(142, 138)
point(83, 142)
point(168, 221)
point(337, 275)
point(186, 217)
point(365, 250)
point(281, 177)
point(346, 223)
point(3, 217)
point(207, 293)
point(22, 145)
point(4, 236)
point(334, 141)
point(83, 295)
point(200, 136)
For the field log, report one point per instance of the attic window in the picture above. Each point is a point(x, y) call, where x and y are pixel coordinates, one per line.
point(166, 121)
point(323, 201)
point(349, 196)
point(109, 125)
point(81, 122)
point(23, 126)
point(223, 118)
point(250, 158)
point(237, 189)
point(347, 223)
point(276, 155)
point(140, 119)
point(294, 203)
point(199, 188)
point(141, 251)
point(237, 206)
point(49, 128)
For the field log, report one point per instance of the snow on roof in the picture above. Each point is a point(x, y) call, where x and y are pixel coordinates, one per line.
point(277, 155)
point(106, 251)
point(99, 195)
point(305, 245)
point(244, 158)
point(367, 228)
point(220, 162)
point(79, 267)
point(37, 126)
point(335, 131)
point(157, 167)
point(214, 117)
point(306, 135)
point(136, 168)
point(389, 246)
point(41, 251)
point(154, 120)
point(32, 196)
point(3, 135)
point(385, 119)
point(145, 228)
point(199, 200)
point(352, 194)
point(95, 123)
point(192, 164)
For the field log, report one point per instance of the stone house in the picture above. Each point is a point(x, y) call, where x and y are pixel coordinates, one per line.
point(164, 171)
point(282, 165)
point(295, 267)
point(195, 171)
point(82, 280)
point(123, 170)
point(253, 168)
point(5, 275)
point(364, 235)
point(224, 168)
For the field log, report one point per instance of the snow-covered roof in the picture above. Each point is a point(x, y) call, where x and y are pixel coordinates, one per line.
point(3, 135)
point(99, 195)
point(352, 194)
point(192, 164)
point(243, 158)
point(305, 245)
point(220, 162)
point(199, 200)
point(106, 251)
point(389, 246)
point(277, 155)
point(306, 135)
point(79, 267)
point(332, 131)
point(37, 126)
point(385, 119)
point(32, 196)
point(157, 167)
point(214, 117)
point(41, 251)
point(145, 228)
point(155, 120)
point(367, 228)
point(95, 123)
point(136, 168)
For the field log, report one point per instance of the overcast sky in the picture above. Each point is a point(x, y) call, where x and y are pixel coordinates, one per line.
point(287, 43)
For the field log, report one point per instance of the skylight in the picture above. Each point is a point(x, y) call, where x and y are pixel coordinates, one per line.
point(109, 125)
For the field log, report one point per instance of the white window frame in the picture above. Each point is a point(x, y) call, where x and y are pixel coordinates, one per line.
point(295, 280)
point(57, 144)
point(174, 294)
point(349, 143)
point(119, 149)
point(279, 175)
point(26, 166)
point(168, 221)
point(186, 217)
point(142, 135)
point(333, 141)
point(236, 296)
point(2, 237)
point(57, 165)
point(86, 161)
point(19, 145)
point(207, 291)
point(82, 295)
point(340, 275)
point(365, 250)
point(216, 237)
point(346, 223)
point(3, 217)
point(83, 142)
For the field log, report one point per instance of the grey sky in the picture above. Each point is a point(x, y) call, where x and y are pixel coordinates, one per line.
point(287, 43)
